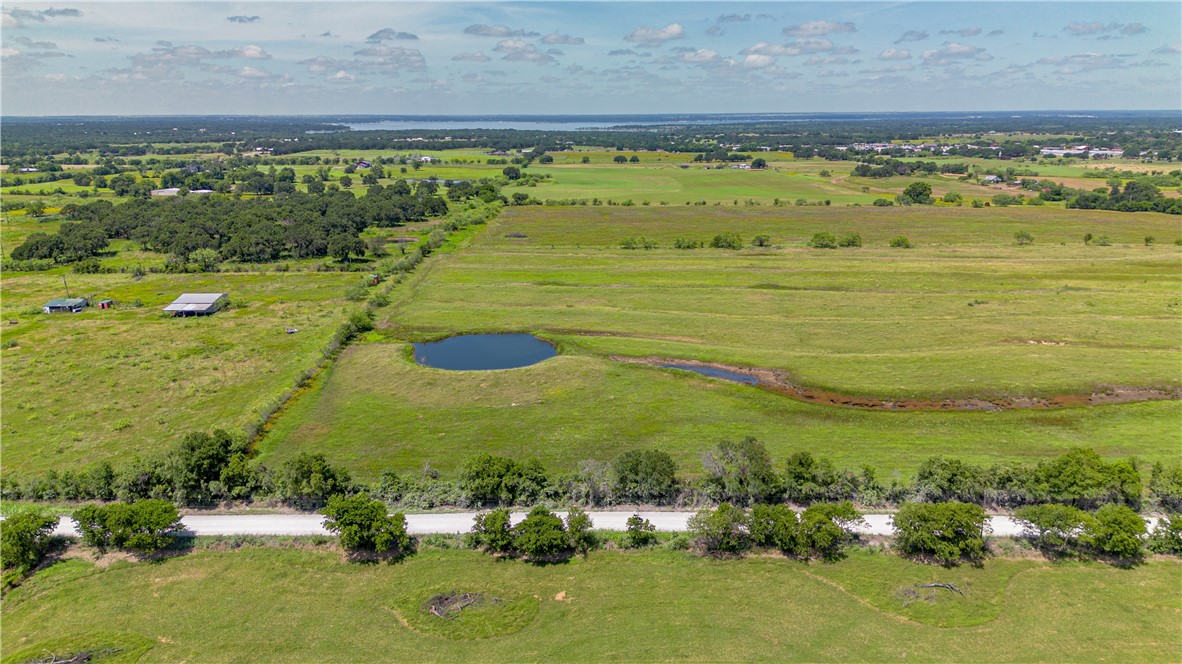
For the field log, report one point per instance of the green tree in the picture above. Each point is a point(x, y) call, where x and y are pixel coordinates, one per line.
point(25, 539)
point(309, 479)
point(541, 535)
point(620, 159)
point(825, 528)
point(919, 192)
point(1167, 536)
point(1023, 238)
point(850, 240)
point(761, 241)
point(900, 242)
point(346, 181)
point(727, 241)
point(721, 532)
point(491, 480)
point(740, 472)
point(634, 159)
point(1117, 531)
point(579, 533)
point(511, 172)
point(1053, 527)
point(777, 526)
point(145, 526)
point(491, 532)
point(644, 476)
point(759, 162)
point(363, 524)
point(823, 241)
point(639, 533)
point(953, 197)
point(586, 160)
point(343, 245)
point(205, 258)
point(948, 532)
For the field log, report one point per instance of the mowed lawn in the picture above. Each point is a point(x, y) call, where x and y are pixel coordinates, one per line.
point(308, 606)
point(103, 385)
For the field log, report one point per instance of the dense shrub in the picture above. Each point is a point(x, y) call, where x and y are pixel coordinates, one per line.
point(639, 533)
point(493, 480)
point(1165, 486)
point(850, 240)
point(145, 526)
point(309, 479)
point(823, 241)
point(491, 532)
point(722, 531)
point(825, 528)
point(1166, 538)
point(541, 536)
point(363, 524)
point(1117, 531)
point(25, 539)
point(740, 472)
point(644, 476)
point(948, 532)
point(727, 241)
point(580, 536)
point(900, 242)
point(1053, 527)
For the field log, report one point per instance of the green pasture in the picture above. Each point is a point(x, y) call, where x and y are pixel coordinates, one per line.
point(968, 313)
point(305, 605)
point(377, 411)
point(105, 384)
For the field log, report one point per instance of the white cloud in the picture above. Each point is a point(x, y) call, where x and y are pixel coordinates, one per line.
point(827, 60)
point(757, 61)
point(963, 32)
point(341, 76)
point(952, 51)
point(818, 28)
point(253, 73)
point(1168, 49)
point(471, 57)
point(1080, 29)
point(912, 35)
point(517, 50)
point(895, 54)
point(653, 36)
point(8, 52)
point(555, 38)
point(244, 19)
point(699, 56)
point(252, 52)
point(497, 31)
point(390, 33)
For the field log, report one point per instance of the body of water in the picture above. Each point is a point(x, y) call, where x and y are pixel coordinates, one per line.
point(482, 352)
point(714, 372)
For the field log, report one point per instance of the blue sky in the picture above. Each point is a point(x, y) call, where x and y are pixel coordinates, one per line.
point(81, 58)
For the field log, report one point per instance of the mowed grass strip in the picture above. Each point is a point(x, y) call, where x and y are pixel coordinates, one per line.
point(106, 384)
point(974, 317)
point(650, 606)
point(377, 411)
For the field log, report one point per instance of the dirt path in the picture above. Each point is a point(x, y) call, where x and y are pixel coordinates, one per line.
point(777, 381)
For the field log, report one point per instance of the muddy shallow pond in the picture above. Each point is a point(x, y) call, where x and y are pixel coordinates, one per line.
point(482, 352)
point(715, 372)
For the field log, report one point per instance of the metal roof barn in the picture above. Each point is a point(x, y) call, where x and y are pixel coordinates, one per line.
point(197, 304)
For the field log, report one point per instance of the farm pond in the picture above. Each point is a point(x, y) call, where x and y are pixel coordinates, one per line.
point(483, 352)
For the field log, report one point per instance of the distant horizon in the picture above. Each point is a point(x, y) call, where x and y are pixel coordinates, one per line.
point(285, 59)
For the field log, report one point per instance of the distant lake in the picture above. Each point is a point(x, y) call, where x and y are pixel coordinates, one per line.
point(482, 352)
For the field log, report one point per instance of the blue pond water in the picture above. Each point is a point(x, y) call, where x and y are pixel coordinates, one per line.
point(716, 373)
point(481, 352)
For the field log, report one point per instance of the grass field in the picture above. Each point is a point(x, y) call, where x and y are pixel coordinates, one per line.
point(1045, 319)
point(105, 384)
point(307, 606)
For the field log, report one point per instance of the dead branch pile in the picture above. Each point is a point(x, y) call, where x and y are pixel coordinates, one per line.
point(947, 586)
point(449, 605)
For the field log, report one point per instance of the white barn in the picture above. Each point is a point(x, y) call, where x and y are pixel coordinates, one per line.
point(198, 304)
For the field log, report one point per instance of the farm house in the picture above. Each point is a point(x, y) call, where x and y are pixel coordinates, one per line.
point(198, 304)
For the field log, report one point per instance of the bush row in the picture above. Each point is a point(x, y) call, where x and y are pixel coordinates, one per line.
point(210, 468)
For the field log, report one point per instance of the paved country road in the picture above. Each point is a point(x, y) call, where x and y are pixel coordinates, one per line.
point(461, 522)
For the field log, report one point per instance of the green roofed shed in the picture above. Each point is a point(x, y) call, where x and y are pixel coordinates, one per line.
point(63, 304)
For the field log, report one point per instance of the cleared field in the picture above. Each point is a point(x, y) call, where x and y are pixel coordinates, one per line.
point(970, 315)
point(756, 609)
point(378, 411)
point(103, 385)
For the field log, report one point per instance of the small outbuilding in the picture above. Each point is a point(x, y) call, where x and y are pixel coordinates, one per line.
point(63, 304)
point(198, 304)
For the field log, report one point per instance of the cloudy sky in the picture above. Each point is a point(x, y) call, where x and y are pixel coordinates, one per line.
point(84, 58)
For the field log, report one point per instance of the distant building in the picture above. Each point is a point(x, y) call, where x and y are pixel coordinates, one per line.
point(198, 304)
point(175, 191)
point(63, 304)
point(362, 164)
point(991, 179)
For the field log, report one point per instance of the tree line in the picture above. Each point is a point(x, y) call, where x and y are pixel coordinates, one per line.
point(205, 469)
